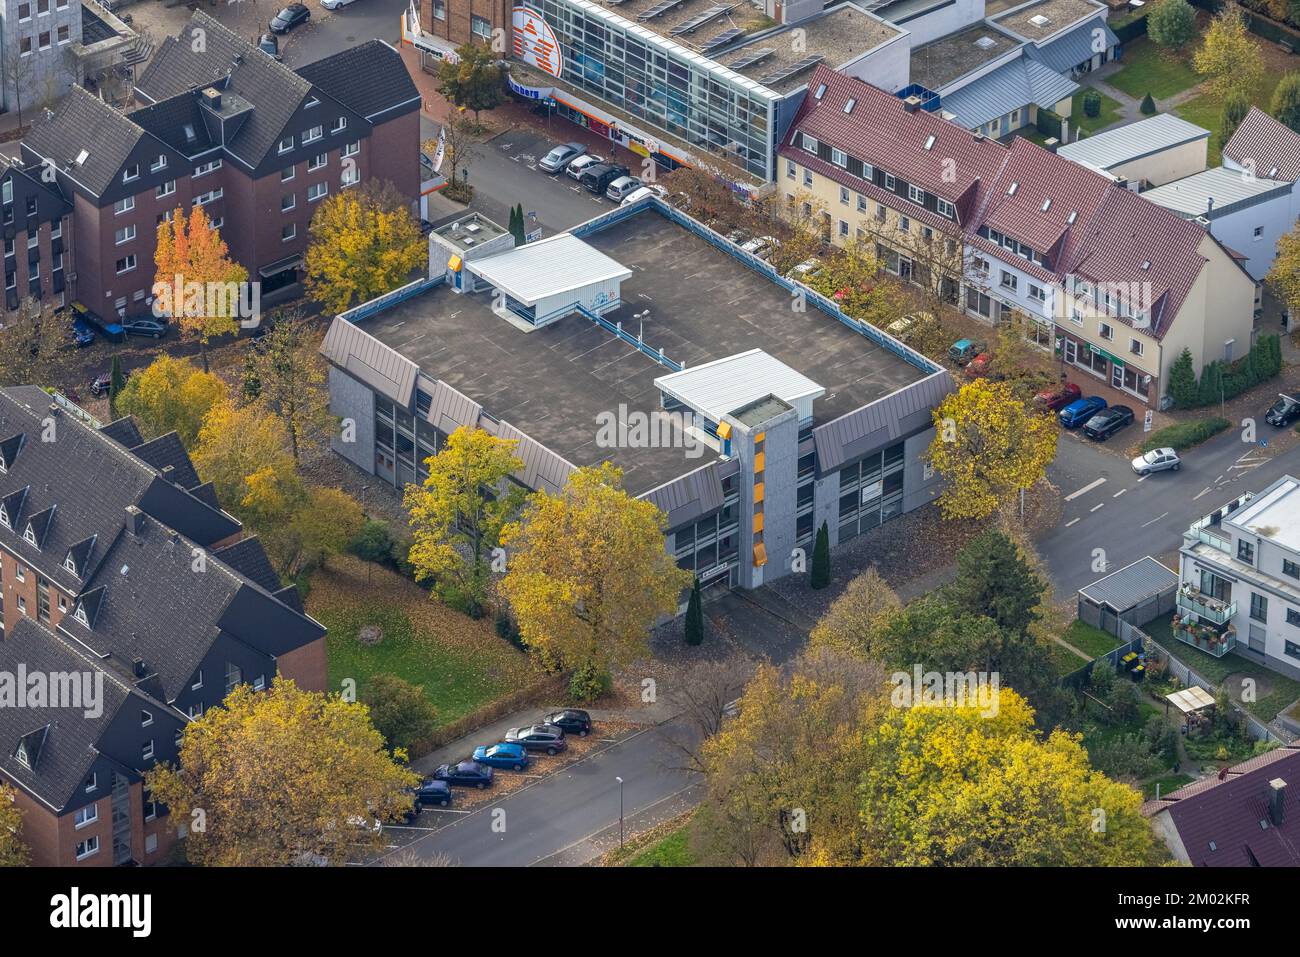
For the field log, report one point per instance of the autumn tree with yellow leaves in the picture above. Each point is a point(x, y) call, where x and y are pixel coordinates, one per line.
point(1284, 276)
point(13, 852)
point(1228, 56)
point(285, 375)
point(988, 445)
point(587, 574)
point(364, 243)
point(244, 453)
point(853, 279)
point(458, 512)
point(282, 777)
point(171, 395)
point(191, 251)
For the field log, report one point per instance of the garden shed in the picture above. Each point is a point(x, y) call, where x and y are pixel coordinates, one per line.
point(1135, 594)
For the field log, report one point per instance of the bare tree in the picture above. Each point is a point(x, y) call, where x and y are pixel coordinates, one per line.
point(703, 696)
point(18, 72)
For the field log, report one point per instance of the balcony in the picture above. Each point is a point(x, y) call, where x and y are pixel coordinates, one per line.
point(1204, 607)
point(1208, 529)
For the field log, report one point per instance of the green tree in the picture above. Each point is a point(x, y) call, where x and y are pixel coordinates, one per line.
point(517, 224)
point(1091, 103)
point(1182, 381)
point(1147, 106)
point(373, 544)
point(290, 377)
point(1172, 24)
point(13, 852)
point(995, 580)
point(820, 573)
point(461, 507)
point(399, 711)
point(473, 81)
point(1285, 105)
point(695, 616)
point(172, 395)
point(116, 383)
point(1235, 108)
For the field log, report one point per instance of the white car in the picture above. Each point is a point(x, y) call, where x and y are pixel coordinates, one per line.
point(644, 190)
point(576, 167)
point(759, 245)
point(335, 4)
point(913, 322)
point(1157, 460)
point(805, 270)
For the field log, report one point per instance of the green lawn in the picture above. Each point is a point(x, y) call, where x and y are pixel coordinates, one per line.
point(1092, 640)
point(1147, 69)
point(1275, 691)
point(1064, 661)
point(461, 664)
point(1205, 111)
point(1081, 121)
point(1168, 783)
point(672, 850)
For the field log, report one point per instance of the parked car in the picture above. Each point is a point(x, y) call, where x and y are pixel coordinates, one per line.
point(643, 191)
point(758, 245)
point(579, 164)
point(963, 351)
point(335, 4)
point(622, 187)
point(979, 366)
point(539, 737)
point(805, 270)
point(144, 326)
point(467, 774)
point(269, 44)
point(82, 333)
point(560, 157)
point(570, 720)
point(101, 384)
point(1107, 422)
point(909, 325)
point(1058, 399)
point(597, 178)
point(432, 792)
point(1157, 460)
point(1284, 411)
point(1080, 411)
point(504, 755)
point(295, 14)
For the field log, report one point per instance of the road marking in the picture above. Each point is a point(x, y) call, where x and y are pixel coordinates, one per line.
point(1087, 488)
point(1154, 520)
point(1097, 506)
point(1145, 477)
point(1070, 522)
point(1119, 493)
point(1201, 492)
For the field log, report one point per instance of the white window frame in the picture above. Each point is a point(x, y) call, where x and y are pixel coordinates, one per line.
point(91, 845)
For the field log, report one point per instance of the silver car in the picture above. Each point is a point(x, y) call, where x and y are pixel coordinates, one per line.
point(560, 157)
point(1157, 460)
point(622, 187)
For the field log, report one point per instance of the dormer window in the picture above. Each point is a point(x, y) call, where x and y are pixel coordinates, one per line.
point(92, 782)
point(146, 718)
point(21, 755)
point(314, 101)
point(29, 535)
point(4, 516)
point(339, 125)
point(809, 143)
point(70, 564)
point(286, 144)
point(80, 615)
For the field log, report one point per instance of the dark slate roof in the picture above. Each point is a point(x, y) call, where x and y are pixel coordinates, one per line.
point(124, 431)
point(248, 557)
point(234, 64)
point(84, 122)
point(67, 737)
point(166, 452)
point(178, 122)
point(369, 78)
point(1131, 585)
point(1231, 813)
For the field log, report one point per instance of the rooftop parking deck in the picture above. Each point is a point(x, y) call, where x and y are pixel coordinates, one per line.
point(557, 383)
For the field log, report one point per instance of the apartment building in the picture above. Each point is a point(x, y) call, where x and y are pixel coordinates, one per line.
point(438, 27)
point(37, 223)
point(227, 127)
point(1239, 571)
point(120, 571)
point(1111, 283)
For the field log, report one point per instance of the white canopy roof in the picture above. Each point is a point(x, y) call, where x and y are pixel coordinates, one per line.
point(548, 267)
point(725, 385)
point(1191, 699)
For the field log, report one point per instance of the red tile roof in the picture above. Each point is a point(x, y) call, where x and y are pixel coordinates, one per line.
point(1091, 227)
point(1232, 814)
point(1264, 144)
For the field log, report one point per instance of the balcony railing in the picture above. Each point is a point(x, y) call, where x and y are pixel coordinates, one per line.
point(1208, 529)
point(1205, 608)
point(1206, 638)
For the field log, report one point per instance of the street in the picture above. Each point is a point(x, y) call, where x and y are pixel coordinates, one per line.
point(568, 817)
point(1108, 507)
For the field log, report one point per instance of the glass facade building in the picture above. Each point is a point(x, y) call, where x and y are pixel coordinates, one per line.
point(713, 109)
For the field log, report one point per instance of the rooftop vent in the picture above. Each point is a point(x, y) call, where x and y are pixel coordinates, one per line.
point(986, 43)
point(139, 668)
point(1039, 20)
point(212, 98)
point(134, 523)
point(912, 104)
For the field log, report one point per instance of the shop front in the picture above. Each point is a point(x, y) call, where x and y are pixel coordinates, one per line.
point(1118, 373)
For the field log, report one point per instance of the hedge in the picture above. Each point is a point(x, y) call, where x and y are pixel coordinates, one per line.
point(1185, 434)
point(1220, 381)
point(1258, 21)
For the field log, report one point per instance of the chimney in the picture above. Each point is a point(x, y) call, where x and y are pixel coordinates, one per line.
point(212, 99)
point(1276, 799)
point(912, 103)
point(139, 668)
point(134, 520)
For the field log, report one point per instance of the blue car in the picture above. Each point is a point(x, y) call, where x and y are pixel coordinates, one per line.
point(82, 333)
point(503, 755)
point(1080, 411)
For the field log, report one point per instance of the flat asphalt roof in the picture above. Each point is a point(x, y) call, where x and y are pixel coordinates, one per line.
point(951, 57)
point(557, 383)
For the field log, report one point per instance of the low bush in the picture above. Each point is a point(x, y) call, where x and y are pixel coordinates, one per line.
point(1184, 435)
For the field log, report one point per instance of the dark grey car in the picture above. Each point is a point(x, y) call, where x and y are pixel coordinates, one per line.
point(538, 737)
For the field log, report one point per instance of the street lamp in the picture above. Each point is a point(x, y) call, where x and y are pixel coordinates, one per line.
point(640, 329)
point(620, 811)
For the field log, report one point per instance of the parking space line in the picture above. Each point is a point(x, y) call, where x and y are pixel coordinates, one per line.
point(1119, 493)
point(1097, 506)
point(1070, 522)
